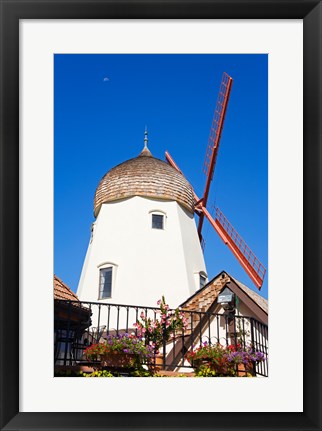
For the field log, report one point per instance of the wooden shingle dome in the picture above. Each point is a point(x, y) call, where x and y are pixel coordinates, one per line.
point(144, 176)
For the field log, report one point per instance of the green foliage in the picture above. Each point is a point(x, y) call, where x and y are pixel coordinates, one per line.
point(210, 361)
point(99, 373)
point(205, 371)
point(171, 377)
point(217, 361)
point(141, 372)
point(68, 373)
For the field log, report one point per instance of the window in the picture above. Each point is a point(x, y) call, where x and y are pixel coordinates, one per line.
point(92, 232)
point(105, 287)
point(202, 281)
point(157, 221)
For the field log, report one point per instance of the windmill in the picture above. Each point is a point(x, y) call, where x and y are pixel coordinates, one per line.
point(248, 260)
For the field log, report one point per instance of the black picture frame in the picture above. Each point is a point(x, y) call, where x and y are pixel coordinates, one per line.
point(11, 12)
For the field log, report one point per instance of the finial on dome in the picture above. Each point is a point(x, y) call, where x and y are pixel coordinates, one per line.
point(146, 140)
point(146, 151)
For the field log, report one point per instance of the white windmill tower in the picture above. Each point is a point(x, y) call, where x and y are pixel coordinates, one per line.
point(144, 242)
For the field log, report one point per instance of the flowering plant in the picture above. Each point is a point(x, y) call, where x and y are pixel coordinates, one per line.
point(155, 331)
point(122, 343)
point(218, 360)
point(246, 356)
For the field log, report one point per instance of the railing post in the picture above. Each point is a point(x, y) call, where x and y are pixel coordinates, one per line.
point(226, 328)
point(98, 319)
point(164, 345)
point(252, 342)
point(67, 336)
point(252, 332)
point(118, 320)
point(235, 331)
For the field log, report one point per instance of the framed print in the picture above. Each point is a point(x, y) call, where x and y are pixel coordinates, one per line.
point(49, 50)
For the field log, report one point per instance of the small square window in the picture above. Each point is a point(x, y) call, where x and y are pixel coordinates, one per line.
point(105, 288)
point(157, 221)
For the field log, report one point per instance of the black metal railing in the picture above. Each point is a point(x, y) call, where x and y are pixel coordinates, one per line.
point(79, 324)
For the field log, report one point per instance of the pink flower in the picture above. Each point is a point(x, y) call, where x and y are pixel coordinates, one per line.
point(159, 302)
point(142, 315)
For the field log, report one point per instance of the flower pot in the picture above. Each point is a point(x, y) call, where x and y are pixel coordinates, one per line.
point(245, 370)
point(118, 360)
point(156, 363)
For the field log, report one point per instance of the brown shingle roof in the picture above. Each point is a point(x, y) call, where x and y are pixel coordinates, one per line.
point(203, 298)
point(144, 176)
point(62, 291)
point(259, 300)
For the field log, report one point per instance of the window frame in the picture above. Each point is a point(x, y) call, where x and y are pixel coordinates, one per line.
point(198, 276)
point(106, 266)
point(158, 220)
point(202, 280)
point(158, 213)
point(100, 290)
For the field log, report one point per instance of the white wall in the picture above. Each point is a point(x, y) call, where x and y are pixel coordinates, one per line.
point(148, 262)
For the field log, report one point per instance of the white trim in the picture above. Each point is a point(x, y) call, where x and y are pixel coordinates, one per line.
point(158, 211)
point(106, 264)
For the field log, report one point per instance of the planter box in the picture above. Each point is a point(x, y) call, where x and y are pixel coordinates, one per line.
point(156, 364)
point(118, 360)
point(244, 371)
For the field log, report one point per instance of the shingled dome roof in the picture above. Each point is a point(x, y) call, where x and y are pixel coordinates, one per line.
point(144, 176)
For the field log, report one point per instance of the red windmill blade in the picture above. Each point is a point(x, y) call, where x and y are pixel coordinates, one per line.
point(251, 264)
point(214, 139)
point(246, 257)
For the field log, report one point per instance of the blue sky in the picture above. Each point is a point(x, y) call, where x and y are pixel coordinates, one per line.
point(101, 106)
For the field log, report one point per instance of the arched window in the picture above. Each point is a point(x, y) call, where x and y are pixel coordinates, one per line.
point(107, 273)
point(92, 231)
point(202, 279)
point(105, 287)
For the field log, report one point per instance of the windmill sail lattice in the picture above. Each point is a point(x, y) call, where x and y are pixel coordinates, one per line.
point(253, 267)
point(217, 124)
point(238, 246)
